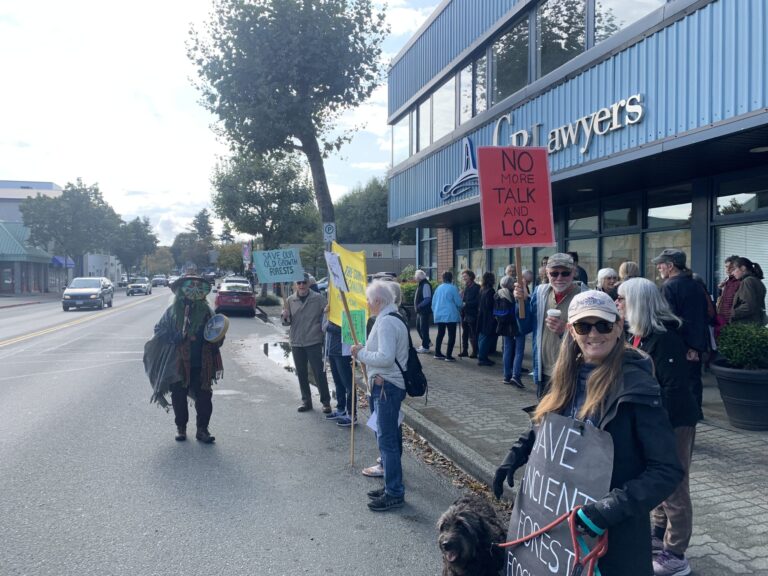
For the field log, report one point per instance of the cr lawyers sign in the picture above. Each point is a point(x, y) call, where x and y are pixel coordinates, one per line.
point(515, 197)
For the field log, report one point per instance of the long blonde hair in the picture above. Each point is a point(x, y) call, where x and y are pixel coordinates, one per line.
point(601, 383)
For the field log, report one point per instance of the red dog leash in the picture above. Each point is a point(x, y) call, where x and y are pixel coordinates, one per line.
point(584, 557)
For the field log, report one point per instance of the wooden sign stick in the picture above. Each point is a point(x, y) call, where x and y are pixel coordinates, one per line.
point(354, 386)
point(522, 282)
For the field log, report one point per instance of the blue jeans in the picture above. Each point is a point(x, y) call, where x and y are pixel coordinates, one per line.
point(514, 348)
point(341, 368)
point(484, 344)
point(387, 401)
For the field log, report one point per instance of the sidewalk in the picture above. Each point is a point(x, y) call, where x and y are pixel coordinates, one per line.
point(13, 300)
point(473, 418)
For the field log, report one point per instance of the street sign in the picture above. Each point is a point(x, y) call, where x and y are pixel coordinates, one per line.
point(329, 232)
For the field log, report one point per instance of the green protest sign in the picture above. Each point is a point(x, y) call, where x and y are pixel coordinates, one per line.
point(358, 321)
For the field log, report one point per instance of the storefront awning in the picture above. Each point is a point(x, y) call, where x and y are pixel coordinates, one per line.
point(62, 262)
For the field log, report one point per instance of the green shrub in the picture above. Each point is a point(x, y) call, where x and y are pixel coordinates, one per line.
point(407, 274)
point(268, 300)
point(408, 289)
point(744, 346)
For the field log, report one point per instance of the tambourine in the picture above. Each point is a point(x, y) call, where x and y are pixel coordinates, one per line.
point(216, 328)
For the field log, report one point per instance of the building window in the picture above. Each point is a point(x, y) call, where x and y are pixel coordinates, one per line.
point(621, 213)
point(748, 241)
point(745, 195)
point(510, 61)
point(481, 85)
point(582, 219)
point(444, 109)
point(377, 254)
point(428, 251)
point(619, 249)
point(587, 250)
point(401, 139)
point(465, 94)
point(669, 207)
point(613, 15)
point(561, 33)
point(425, 123)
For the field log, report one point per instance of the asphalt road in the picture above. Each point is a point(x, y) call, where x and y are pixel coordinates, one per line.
point(93, 482)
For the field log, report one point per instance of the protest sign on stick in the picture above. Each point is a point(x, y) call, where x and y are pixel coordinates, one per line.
point(515, 201)
point(570, 465)
point(278, 266)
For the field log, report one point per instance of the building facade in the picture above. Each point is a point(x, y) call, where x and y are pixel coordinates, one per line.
point(654, 114)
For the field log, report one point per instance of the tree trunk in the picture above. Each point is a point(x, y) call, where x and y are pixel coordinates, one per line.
point(311, 148)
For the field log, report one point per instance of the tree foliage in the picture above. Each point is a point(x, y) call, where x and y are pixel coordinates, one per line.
point(202, 228)
point(361, 217)
point(72, 224)
point(161, 262)
point(265, 196)
point(188, 248)
point(231, 257)
point(226, 236)
point(135, 240)
point(278, 73)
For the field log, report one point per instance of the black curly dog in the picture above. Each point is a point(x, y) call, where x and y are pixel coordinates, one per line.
point(467, 530)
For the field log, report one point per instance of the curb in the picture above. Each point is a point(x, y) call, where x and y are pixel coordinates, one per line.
point(463, 456)
point(17, 305)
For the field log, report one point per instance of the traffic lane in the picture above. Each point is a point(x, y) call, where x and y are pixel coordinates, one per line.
point(22, 320)
point(99, 486)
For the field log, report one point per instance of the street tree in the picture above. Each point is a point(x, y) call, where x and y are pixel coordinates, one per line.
point(201, 226)
point(266, 196)
point(231, 257)
point(161, 262)
point(361, 217)
point(187, 248)
point(75, 223)
point(278, 74)
point(226, 236)
point(135, 240)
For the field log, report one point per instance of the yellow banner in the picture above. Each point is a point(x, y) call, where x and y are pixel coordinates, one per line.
point(353, 265)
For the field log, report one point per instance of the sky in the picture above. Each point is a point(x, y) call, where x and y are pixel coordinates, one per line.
point(103, 91)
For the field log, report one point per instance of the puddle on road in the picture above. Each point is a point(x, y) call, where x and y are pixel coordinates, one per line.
point(280, 353)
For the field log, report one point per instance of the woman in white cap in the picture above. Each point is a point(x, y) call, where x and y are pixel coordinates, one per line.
point(600, 380)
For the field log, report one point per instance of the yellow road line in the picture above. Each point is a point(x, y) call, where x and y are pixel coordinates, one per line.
point(102, 314)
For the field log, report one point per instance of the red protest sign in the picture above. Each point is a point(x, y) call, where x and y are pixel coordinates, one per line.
point(515, 197)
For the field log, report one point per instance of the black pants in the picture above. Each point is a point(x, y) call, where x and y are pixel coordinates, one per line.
point(422, 328)
point(441, 326)
point(314, 355)
point(694, 378)
point(203, 403)
point(469, 334)
point(542, 386)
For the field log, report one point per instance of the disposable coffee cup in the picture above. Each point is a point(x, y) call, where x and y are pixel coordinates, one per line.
point(553, 313)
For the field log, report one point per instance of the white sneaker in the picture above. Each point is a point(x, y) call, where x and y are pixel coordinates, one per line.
point(422, 350)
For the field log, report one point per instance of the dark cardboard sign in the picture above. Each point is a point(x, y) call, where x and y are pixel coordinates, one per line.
point(570, 465)
point(515, 197)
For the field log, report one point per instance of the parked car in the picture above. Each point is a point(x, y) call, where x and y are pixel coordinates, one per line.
point(235, 297)
point(140, 285)
point(123, 281)
point(90, 292)
point(159, 280)
point(322, 284)
point(235, 280)
point(172, 279)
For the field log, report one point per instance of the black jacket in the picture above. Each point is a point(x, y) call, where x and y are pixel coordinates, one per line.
point(423, 302)
point(667, 350)
point(504, 316)
point(645, 467)
point(688, 301)
point(486, 324)
point(471, 299)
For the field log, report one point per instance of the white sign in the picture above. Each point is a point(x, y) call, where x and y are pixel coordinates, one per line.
point(335, 271)
point(329, 232)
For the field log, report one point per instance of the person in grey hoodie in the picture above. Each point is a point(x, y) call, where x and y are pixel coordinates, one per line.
point(386, 347)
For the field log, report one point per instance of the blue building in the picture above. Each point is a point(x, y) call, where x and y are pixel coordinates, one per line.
point(654, 113)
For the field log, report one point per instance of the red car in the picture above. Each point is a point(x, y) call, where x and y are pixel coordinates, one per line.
point(233, 297)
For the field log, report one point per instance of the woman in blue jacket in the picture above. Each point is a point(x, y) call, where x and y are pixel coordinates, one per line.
point(446, 307)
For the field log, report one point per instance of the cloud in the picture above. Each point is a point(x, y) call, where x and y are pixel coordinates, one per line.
point(373, 166)
point(405, 20)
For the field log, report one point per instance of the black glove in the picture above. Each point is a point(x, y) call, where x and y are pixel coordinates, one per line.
point(593, 520)
point(503, 471)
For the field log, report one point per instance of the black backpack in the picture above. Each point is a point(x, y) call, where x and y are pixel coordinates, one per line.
point(413, 376)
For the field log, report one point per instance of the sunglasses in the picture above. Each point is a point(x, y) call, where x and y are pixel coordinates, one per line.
point(584, 328)
point(301, 282)
point(556, 274)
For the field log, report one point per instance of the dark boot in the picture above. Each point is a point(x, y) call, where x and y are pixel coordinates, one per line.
point(204, 436)
point(181, 433)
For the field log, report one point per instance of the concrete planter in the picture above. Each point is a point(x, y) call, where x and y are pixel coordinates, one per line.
point(745, 396)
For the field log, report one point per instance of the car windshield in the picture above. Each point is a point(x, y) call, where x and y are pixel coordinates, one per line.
point(142, 280)
point(236, 288)
point(85, 283)
point(235, 279)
